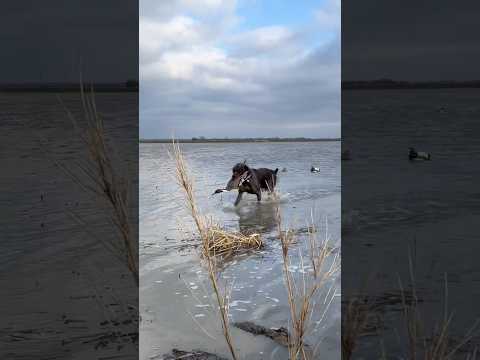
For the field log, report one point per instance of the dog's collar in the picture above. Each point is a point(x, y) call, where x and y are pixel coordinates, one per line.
point(245, 177)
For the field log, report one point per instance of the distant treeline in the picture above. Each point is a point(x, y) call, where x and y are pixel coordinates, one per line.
point(392, 84)
point(202, 139)
point(127, 86)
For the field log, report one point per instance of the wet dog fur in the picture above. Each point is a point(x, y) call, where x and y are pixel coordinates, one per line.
point(250, 180)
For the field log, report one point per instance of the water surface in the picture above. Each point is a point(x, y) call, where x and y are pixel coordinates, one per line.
point(395, 208)
point(175, 302)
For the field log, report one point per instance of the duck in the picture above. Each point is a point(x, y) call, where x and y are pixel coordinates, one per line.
point(315, 169)
point(418, 155)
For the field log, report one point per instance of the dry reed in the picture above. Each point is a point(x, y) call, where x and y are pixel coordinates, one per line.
point(107, 182)
point(225, 242)
point(433, 346)
point(436, 345)
point(213, 239)
point(302, 299)
point(355, 317)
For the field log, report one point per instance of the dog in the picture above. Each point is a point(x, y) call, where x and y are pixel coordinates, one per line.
point(249, 180)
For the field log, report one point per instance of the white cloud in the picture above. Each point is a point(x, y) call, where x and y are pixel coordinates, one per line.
point(264, 38)
point(156, 37)
point(197, 72)
point(166, 9)
point(208, 7)
point(201, 66)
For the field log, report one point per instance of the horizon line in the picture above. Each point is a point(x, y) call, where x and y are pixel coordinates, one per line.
point(238, 139)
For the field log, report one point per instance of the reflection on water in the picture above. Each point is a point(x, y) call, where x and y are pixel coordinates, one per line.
point(259, 218)
point(173, 289)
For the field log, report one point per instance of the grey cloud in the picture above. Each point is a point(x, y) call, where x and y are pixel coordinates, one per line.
point(410, 40)
point(47, 41)
point(308, 93)
point(270, 86)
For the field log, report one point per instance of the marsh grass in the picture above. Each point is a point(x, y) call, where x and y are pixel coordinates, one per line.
point(213, 239)
point(302, 294)
point(355, 319)
point(100, 176)
point(226, 242)
point(421, 341)
point(434, 343)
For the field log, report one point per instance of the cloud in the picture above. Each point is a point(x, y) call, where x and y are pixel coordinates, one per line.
point(66, 38)
point(218, 10)
point(202, 74)
point(157, 37)
point(262, 40)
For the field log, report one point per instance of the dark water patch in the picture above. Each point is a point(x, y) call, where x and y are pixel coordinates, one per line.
point(177, 354)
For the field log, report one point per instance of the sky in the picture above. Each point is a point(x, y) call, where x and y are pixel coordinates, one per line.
point(411, 40)
point(239, 68)
point(273, 42)
point(52, 41)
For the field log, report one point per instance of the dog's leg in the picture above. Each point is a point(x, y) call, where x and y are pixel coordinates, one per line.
point(259, 195)
point(239, 197)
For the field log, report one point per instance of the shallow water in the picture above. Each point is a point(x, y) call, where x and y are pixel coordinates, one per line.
point(395, 208)
point(59, 285)
point(175, 300)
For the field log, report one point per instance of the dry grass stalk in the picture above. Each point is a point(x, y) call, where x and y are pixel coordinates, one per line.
point(210, 236)
point(223, 242)
point(435, 346)
point(472, 355)
point(223, 303)
point(355, 319)
point(215, 240)
point(108, 184)
point(301, 299)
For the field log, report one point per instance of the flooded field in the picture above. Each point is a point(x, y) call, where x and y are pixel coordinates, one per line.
point(426, 210)
point(175, 296)
point(63, 294)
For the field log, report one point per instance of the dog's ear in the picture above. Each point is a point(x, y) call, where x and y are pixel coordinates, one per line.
point(244, 162)
point(276, 170)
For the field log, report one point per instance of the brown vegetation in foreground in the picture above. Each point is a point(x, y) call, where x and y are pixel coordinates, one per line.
point(422, 343)
point(211, 241)
point(107, 184)
point(301, 297)
point(215, 240)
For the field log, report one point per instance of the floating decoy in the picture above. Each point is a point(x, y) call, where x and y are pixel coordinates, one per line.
point(418, 155)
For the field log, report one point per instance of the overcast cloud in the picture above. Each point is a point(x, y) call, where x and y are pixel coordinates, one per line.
point(411, 40)
point(55, 40)
point(207, 70)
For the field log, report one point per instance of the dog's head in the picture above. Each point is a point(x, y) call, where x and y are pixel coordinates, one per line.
point(239, 174)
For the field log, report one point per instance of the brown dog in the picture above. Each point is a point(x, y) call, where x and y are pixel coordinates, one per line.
point(249, 180)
